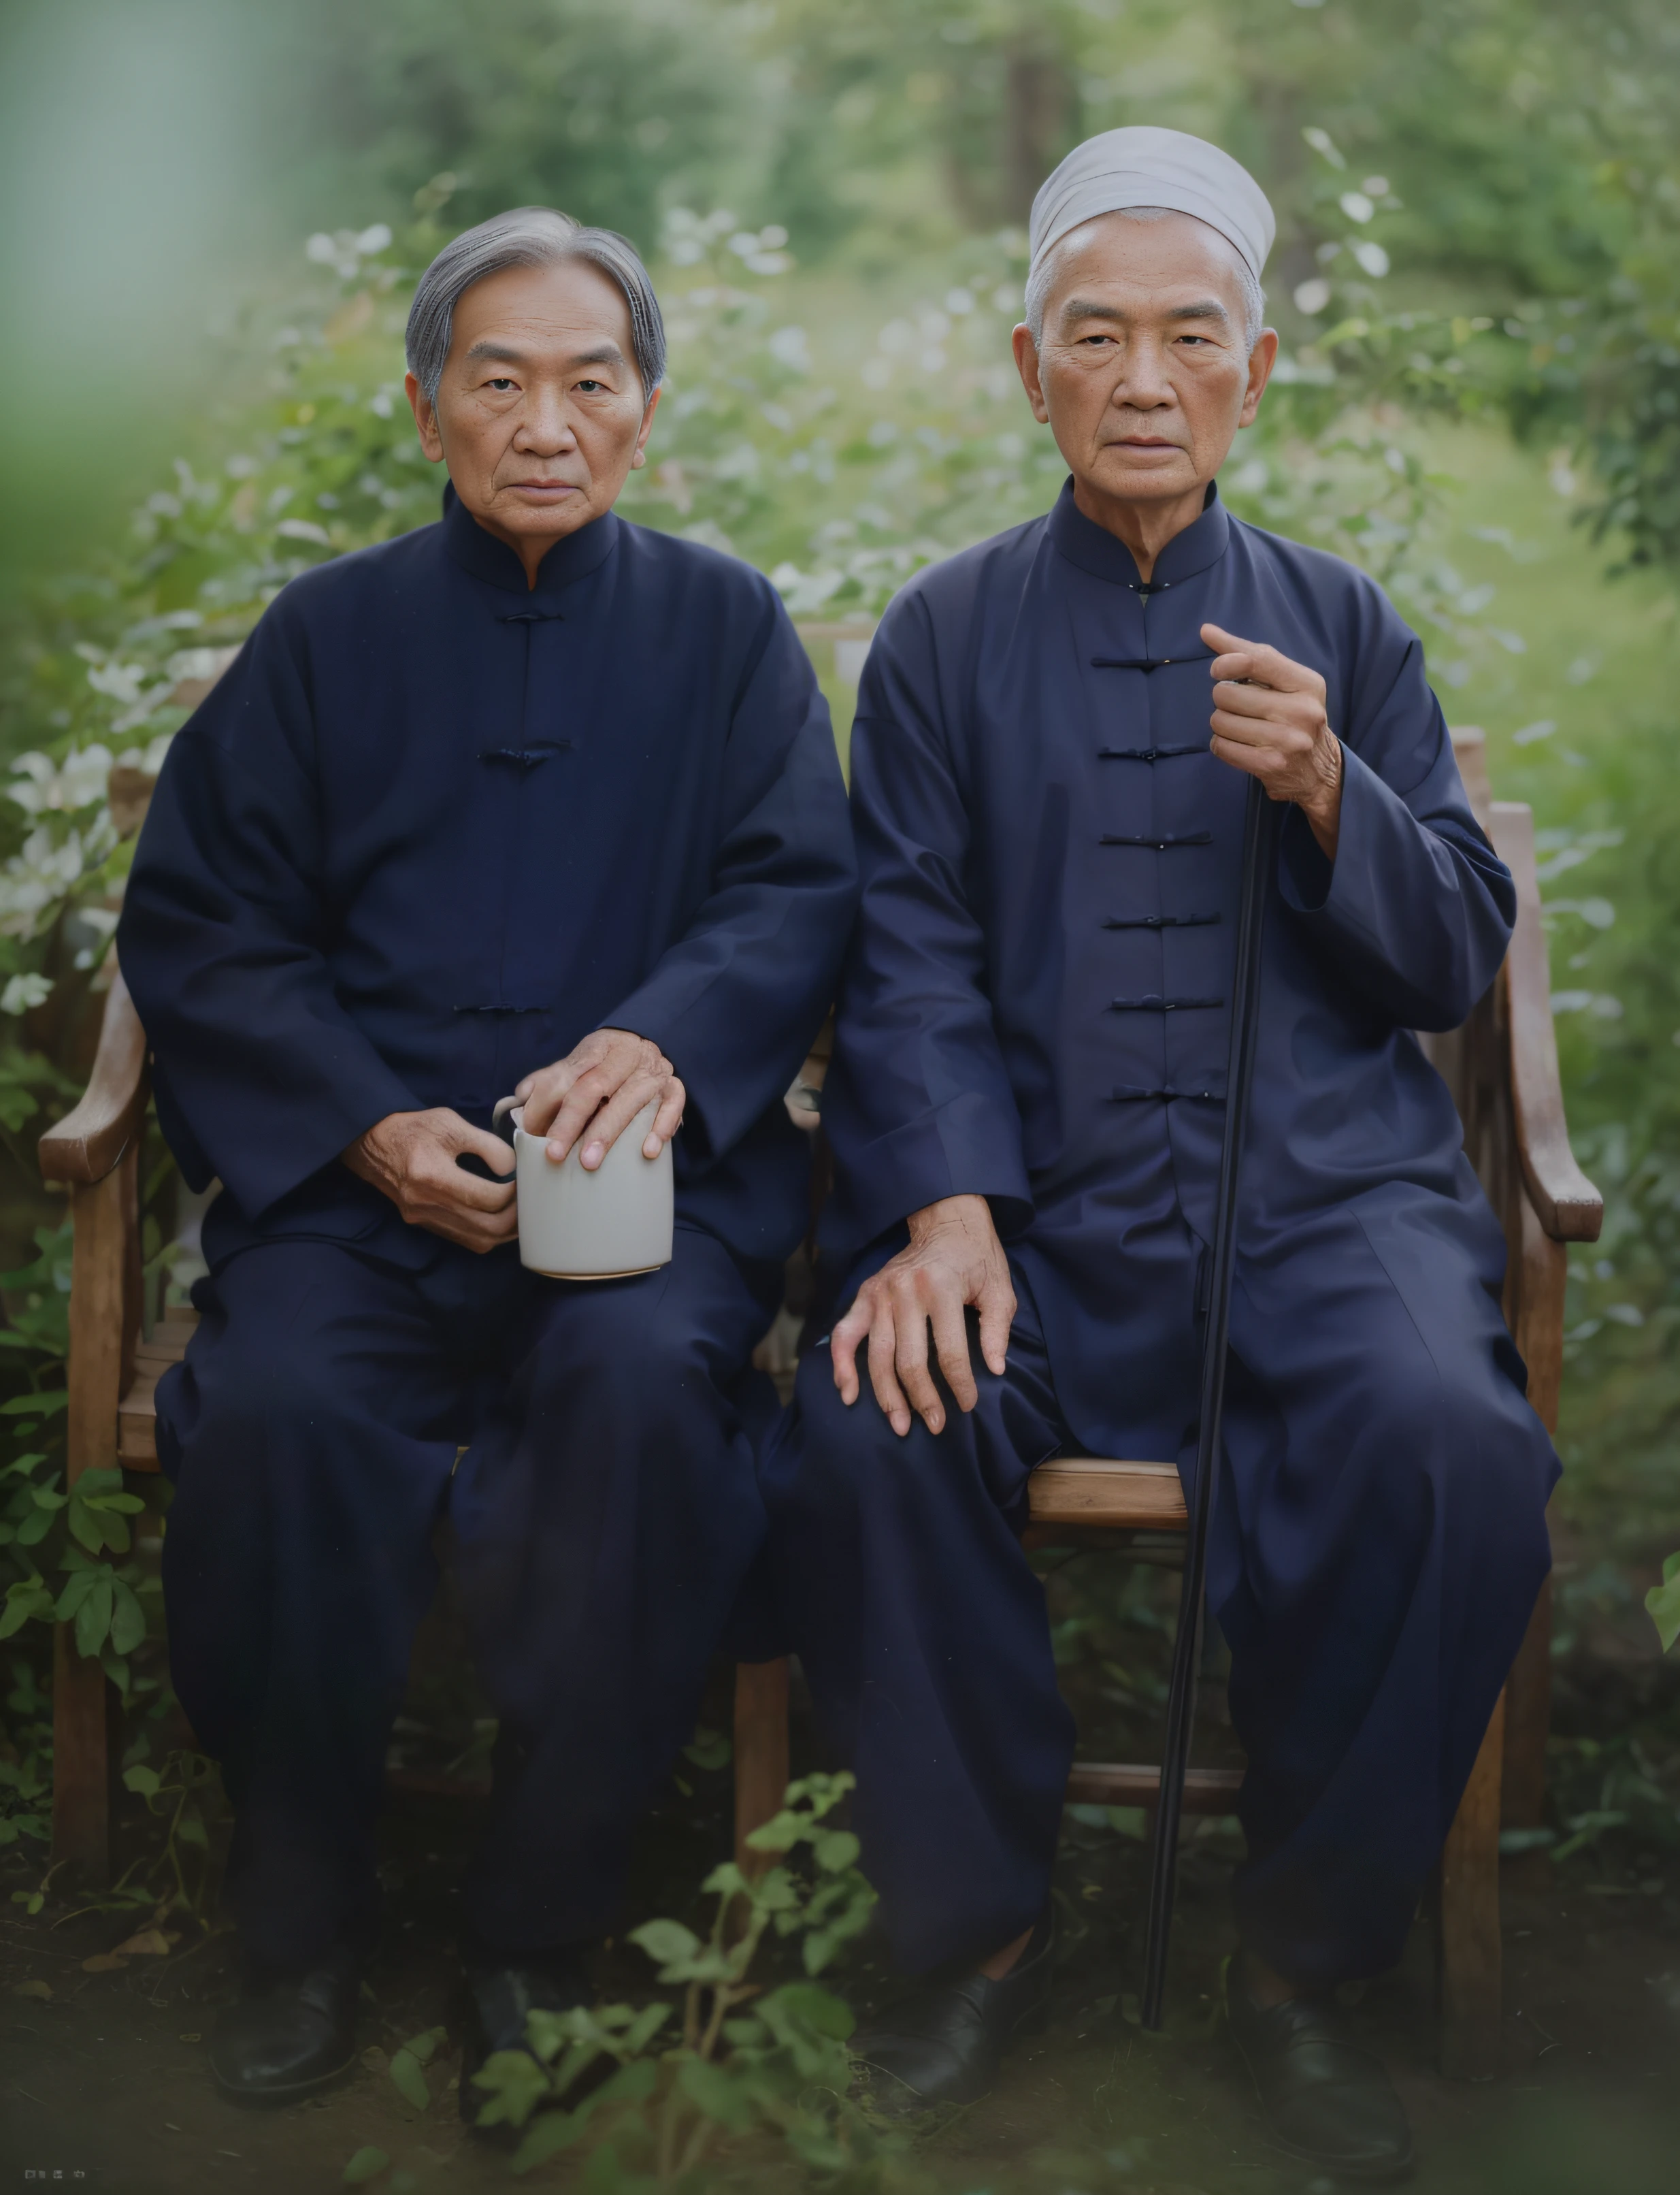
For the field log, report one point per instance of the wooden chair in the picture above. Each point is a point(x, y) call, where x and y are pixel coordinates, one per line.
point(1502, 1067)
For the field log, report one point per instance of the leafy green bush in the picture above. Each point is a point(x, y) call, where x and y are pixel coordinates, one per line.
point(779, 2067)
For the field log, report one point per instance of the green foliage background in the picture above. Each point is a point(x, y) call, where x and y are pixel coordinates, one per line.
point(1480, 400)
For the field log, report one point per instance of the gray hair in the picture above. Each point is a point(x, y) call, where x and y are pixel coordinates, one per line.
point(1040, 279)
point(529, 236)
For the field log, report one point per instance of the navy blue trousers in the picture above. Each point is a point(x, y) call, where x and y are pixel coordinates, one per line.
point(1378, 1541)
point(603, 1516)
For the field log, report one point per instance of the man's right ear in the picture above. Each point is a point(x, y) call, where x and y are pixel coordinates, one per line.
point(425, 418)
point(1027, 365)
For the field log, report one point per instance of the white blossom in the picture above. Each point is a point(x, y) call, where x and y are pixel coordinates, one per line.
point(122, 681)
point(23, 991)
point(37, 877)
point(40, 784)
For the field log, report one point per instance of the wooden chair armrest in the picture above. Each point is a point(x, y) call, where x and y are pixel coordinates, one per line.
point(89, 1141)
point(1571, 1210)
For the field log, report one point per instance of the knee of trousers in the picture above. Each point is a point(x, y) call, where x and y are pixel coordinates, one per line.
point(242, 1406)
point(1461, 1454)
point(838, 1466)
point(616, 1361)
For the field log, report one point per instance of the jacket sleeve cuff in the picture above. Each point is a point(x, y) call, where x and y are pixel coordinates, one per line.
point(1339, 893)
point(264, 1159)
point(958, 1150)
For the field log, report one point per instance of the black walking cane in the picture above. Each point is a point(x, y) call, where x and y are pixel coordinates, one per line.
point(1258, 850)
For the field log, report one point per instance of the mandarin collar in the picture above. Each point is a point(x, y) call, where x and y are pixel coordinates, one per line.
point(572, 557)
point(1083, 542)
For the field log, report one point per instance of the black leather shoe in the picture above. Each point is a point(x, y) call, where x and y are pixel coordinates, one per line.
point(496, 2004)
point(943, 2043)
point(1325, 2100)
point(286, 2038)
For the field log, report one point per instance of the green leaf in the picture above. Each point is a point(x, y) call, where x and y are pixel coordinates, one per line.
point(93, 1617)
point(28, 1598)
point(366, 2164)
point(644, 2027)
point(190, 1830)
point(128, 1620)
point(86, 1527)
point(423, 2048)
point(709, 1749)
point(45, 1498)
point(835, 1849)
point(82, 1583)
point(717, 2094)
point(514, 2084)
point(141, 1779)
point(409, 2080)
point(803, 2004)
point(553, 2132)
point(33, 1530)
point(1662, 1603)
point(35, 1406)
point(631, 2085)
point(779, 1834)
point(667, 1943)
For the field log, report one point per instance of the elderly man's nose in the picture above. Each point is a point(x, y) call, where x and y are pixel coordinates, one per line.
point(1146, 381)
point(545, 425)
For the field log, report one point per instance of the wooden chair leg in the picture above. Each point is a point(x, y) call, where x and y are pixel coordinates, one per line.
point(1469, 1948)
point(104, 1220)
point(1529, 1721)
point(760, 1755)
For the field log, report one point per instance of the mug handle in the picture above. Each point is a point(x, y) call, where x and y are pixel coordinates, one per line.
point(505, 1119)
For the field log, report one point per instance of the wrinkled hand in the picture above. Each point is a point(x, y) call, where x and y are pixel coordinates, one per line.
point(412, 1157)
point(954, 1259)
point(596, 1090)
point(1268, 719)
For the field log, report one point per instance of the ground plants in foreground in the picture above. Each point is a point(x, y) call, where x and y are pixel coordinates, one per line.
point(732, 2057)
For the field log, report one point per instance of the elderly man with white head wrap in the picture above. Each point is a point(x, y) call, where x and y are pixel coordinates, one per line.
point(1054, 736)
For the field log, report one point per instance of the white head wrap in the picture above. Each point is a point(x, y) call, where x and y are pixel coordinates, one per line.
point(1149, 167)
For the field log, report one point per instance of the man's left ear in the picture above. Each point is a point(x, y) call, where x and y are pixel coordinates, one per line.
point(1261, 361)
point(640, 455)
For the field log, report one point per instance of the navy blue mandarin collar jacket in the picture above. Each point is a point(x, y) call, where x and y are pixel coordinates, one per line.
point(434, 827)
point(1035, 1006)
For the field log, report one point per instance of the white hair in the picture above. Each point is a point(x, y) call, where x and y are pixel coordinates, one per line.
point(529, 236)
point(1039, 282)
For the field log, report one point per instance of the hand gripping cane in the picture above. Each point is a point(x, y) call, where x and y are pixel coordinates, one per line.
point(1258, 852)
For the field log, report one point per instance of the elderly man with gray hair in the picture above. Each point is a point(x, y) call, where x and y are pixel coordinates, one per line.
point(530, 801)
point(1055, 736)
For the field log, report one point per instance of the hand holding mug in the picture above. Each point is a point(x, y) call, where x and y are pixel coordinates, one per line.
point(414, 1159)
point(596, 1090)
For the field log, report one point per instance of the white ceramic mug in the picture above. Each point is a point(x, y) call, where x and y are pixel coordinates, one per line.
point(575, 1225)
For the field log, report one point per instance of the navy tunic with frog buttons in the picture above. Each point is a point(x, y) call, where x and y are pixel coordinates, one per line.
point(1036, 1009)
point(432, 828)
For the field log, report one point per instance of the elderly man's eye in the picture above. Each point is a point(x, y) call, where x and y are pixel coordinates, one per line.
point(500, 382)
point(588, 388)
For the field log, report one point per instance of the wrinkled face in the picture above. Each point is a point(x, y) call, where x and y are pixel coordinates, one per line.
point(1142, 371)
point(540, 413)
